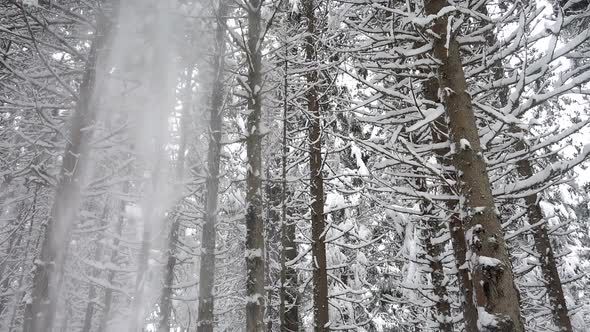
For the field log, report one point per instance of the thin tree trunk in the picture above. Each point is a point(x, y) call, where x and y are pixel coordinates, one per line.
point(431, 228)
point(443, 308)
point(320, 275)
point(535, 217)
point(543, 246)
point(89, 313)
point(98, 253)
point(273, 219)
point(166, 293)
point(289, 306)
point(6, 276)
point(108, 293)
point(290, 289)
point(160, 86)
point(40, 313)
point(27, 249)
point(254, 223)
point(492, 277)
point(206, 316)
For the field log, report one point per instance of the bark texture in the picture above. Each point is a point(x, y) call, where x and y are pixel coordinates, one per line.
point(492, 277)
point(439, 132)
point(320, 274)
point(254, 222)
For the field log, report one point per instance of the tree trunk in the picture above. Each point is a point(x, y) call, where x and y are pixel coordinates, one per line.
point(495, 291)
point(160, 86)
point(166, 293)
point(543, 246)
point(6, 273)
point(40, 313)
point(273, 220)
point(98, 254)
point(254, 223)
point(320, 275)
point(431, 228)
point(206, 318)
point(289, 306)
point(108, 293)
point(535, 215)
point(439, 132)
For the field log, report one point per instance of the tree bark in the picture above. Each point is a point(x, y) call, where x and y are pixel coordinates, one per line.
point(492, 277)
point(254, 222)
point(320, 275)
point(206, 318)
point(439, 132)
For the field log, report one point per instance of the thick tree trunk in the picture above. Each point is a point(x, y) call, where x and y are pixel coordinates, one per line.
point(206, 318)
point(40, 313)
point(254, 223)
point(439, 132)
point(320, 275)
point(495, 291)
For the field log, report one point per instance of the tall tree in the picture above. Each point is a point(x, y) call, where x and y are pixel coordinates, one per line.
point(439, 131)
point(542, 243)
point(320, 273)
point(288, 297)
point(206, 318)
point(255, 275)
point(491, 269)
point(173, 235)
